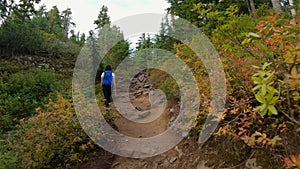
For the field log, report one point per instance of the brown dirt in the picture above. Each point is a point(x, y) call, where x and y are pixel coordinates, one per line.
point(223, 152)
point(98, 160)
point(142, 130)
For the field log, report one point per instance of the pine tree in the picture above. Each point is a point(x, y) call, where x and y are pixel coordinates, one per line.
point(55, 23)
point(144, 42)
point(5, 9)
point(25, 9)
point(67, 21)
point(103, 18)
point(163, 40)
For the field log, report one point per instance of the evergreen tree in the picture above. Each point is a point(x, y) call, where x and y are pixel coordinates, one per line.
point(82, 39)
point(25, 9)
point(55, 23)
point(5, 9)
point(34, 32)
point(119, 51)
point(67, 21)
point(103, 18)
point(144, 42)
point(163, 40)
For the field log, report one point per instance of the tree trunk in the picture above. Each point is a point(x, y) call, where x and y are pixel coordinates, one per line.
point(252, 6)
point(293, 10)
point(276, 6)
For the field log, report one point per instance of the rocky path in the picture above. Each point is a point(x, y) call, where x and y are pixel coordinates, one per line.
point(145, 124)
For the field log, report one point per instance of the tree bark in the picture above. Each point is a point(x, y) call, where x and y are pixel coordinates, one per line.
point(293, 10)
point(252, 6)
point(276, 6)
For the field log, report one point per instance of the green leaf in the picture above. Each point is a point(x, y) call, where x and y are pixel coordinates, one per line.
point(260, 98)
point(260, 139)
point(264, 112)
point(271, 89)
point(264, 89)
point(270, 76)
point(253, 34)
point(256, 80)
point(269, 97)
point(256, 87)
point(266, 64)
point(273, 101)
point(274, 140)
point(255, 75)
point(256, 67)
point(256, 134)
point(262, 107)
point(246, 41)
point(261, 73)
point(272, 109)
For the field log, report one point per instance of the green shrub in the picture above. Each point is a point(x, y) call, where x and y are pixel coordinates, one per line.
point(8, 150)
point(165, 82)
point(29, 90)
point(6, 120)
point(21, 92)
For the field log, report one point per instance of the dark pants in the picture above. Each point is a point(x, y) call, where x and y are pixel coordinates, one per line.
point(107, 94)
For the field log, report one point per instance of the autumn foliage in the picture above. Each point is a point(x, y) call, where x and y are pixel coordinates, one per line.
point(54, 137)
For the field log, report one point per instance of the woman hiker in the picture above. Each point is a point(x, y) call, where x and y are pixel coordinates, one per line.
point(108, 83)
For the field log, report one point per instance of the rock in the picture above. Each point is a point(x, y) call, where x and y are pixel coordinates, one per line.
point(127, 151)
point(180, 153)
point(138, 108)
point(139, 92)
point(155, 166)
point(172, 110)
point(202, 165)
point(144, 114)
point(184, 134)
point(166, 164)
point(173, 118)
point(173, 160)
point(148, 151)
point(141, 78)
point(147, 85)
point(251, 164)
point(134, 81)
point(146, 92)
point(115, 164)
point(171, 121)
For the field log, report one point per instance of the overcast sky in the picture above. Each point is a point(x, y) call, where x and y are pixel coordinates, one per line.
point(86, 11)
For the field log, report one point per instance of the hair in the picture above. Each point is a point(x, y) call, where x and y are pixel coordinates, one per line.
point(108, 67)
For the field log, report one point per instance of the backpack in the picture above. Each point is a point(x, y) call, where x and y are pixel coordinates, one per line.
point(107, 79)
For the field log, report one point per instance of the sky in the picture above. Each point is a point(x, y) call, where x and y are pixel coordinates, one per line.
point(84, 12)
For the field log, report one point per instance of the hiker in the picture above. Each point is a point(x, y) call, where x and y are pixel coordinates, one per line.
point(108, 83)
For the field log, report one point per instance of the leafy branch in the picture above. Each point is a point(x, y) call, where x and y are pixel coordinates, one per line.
point(265, 92)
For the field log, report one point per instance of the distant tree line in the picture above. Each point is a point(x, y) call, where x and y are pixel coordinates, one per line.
point(25, 30)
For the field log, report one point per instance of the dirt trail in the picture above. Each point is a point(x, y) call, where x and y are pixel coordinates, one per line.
point(145, 124)
point(150, 123)
point(223, 152)
point(139, 130)
point(142, 130)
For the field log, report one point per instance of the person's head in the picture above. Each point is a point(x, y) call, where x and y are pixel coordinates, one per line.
point(108, 67)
